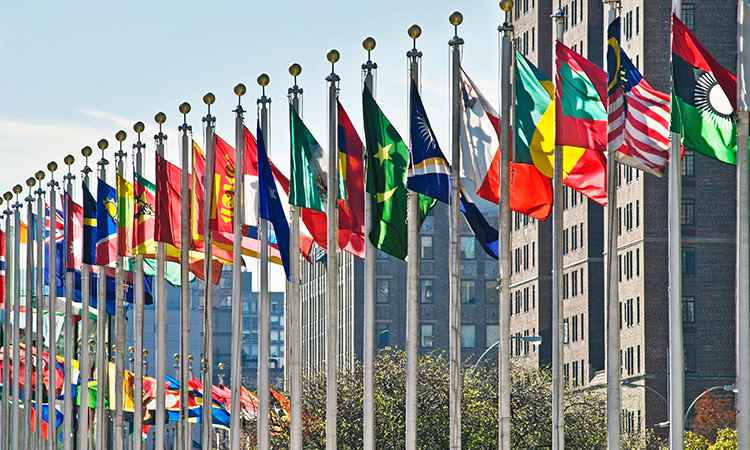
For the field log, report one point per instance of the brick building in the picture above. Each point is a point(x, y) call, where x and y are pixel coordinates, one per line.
point(708, 226)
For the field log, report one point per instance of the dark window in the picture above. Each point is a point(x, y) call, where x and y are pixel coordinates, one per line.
point(688, 164)
point(574, 11)
point(565, 286)
point(583, 335)
point(581, 228)
point(687, 213)
point(490, 292)
point(468, 247)
point(426, 247)
point(637, 20)
point(688, 15)
point(426, 290)
point(565, 241)
point(566, 334)
point(428, 335)
point(574, 238)
point(688, 309)
point(468, 292)
point(382, 288)
point(690, 365)
point(688, 261)
point(384, 335)
point(533, 38)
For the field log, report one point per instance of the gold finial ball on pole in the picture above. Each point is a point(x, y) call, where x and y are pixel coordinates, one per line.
point(240, 89)
point(121, 135)
point(69, 160)
point(52, 166)
point(86, 151)
point(263, 80)
point(31, 181)
point(209, 98)
point(92, 343)
point(39, 175)
point(333, 56)
point(131, 350)
point(176, 356)
point(145, 352)
point(190, 358)
point(456, 18)
point(506, 5)
point(139, 127)
point(8, 196)
point(17, 189)
point(369, 43)
point(102, 144)
point(160, 117)
point(414, 31)
point(295, 69)
point(221, 366)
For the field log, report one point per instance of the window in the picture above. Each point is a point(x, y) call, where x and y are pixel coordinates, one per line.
point(518, 259)
point(426, 290)
point(468, 292)
point(581, 228)
point(637, 20)
point(688, 261)
point(583, 335)
point(574, 328)
point(638, 310)
point(565, 241)
point(566, 335)
point(573, 12)
point(688, 309)
point(688, 15)
point(533, 297)
point(381, 256)
point(468, 336)
point(468, 247)
point(581, 280)
point(619, 221)
point(581, 9)
point(382, 288)
point(565, 197)
point(687, 212)
point(575, 373)
point(637, 213)
point(491, 294)
point(525, 300)
point(526, 43)
point(574, 238)
point(492, 335)
point(688, 163)
point(384, 335)
point(526, 343)
point(583, 377)
point(428, 335)
point(533, 254)
point(689, 360)
point(638, 262)
point(426, 247)
point(565, 18)
point(533, 44)
point(526, 257)
point(574, 283)
point(565, 286)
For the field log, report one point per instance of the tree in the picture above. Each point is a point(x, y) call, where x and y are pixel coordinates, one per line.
point(712, 413)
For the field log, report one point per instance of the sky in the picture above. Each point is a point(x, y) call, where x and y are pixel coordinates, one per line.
point(76, 72)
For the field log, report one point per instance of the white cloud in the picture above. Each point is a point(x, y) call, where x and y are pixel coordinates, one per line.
point(114, 118)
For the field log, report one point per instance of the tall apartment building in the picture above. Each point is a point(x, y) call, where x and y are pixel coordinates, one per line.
point(708, 225)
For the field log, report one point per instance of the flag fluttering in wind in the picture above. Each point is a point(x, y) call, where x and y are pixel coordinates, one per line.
point(639, 113)
point(530, 189)
point(352, 176)
point(704, 96)
point(106, 224)
point(89, 227)
point(429, 173)
point(222, 205)
point(386, 177)
point(125, 215)
point(486, 234)
point(2, 267)
point(168, 191)
point(74, 230)
point(308, 184)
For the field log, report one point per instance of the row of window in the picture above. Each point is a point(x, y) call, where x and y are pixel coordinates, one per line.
point(520, 259)
point(519, 219)
point(625, 263)
point(468, 291)
point(629, 217)
point(627, 174)
point(523, 7)
point(571, 197)
point(629, 423)
point(520, 301)
point(522, 42)
point(571, 286)
point(519, 347)
point(573, 379)
point(426, 252)
point(628, 20)
point(572, 237)
point(632, 363)
point(572, 332)
point(632, 312)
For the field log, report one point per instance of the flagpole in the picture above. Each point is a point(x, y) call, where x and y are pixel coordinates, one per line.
point(332, 264)
point(294, 304)
point(743, 221)
point(558, 387)
point(264, 297)
point(140, 300)
point(15, 425)
point(185, 300)
point(235, 424)
point(119, 309)
point(85, 362)
point(6, 409)
point(27, 441)
point(208, 323)
point(69, 326)
point(369, 68)
point(456, 380)
point(160, 299)
point(504, 271)
point(52, 429)
point(676, 358)
point(39, 305)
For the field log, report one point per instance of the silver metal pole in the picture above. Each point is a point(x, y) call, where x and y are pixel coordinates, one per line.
point(52, 431)
point(15, 419)
point(40, 306)
point(7, 338)
point(264, 307)
point(455, 362)
point(332, 265)
point(676, 357)
point(369, 68)
point(412, 278)
point(140, 310)
point(120, 331)
point(504, 272)
point(29, 316)
point(70, 341)
point(235, 428)
point(85, 362)
point(208, 324)
point(743, 225)
point(612, 299)
point(161, 326)
point(558, 388)
point(102, 360)
point(294, 304)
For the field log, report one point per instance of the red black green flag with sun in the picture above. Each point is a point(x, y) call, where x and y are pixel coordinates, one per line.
point(704, 95)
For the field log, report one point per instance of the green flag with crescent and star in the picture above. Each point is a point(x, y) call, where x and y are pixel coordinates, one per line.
point(387, 161)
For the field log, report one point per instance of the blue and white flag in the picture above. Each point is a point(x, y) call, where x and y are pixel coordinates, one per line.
point(269, 206)
point(483, 231)
point(429, 172)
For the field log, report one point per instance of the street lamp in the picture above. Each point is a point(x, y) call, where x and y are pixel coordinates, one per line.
point(534, 340)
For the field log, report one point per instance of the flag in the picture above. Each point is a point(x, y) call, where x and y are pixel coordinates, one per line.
point(222, 203)
point(486, 235)
point(429, 172)
point(2, 267)
point(144, 216)
point(59, 237)
point(386, 177)
point(89, 227)
point(638, 114)
point(73, 234)
point(309, 181)
point(352, 207)
point(125, 215)
point(168, 209)
point(106, 224)
point(585, 171)
point(704, 96)
point(530, 190)
point(222, 248)
point(269, 205)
